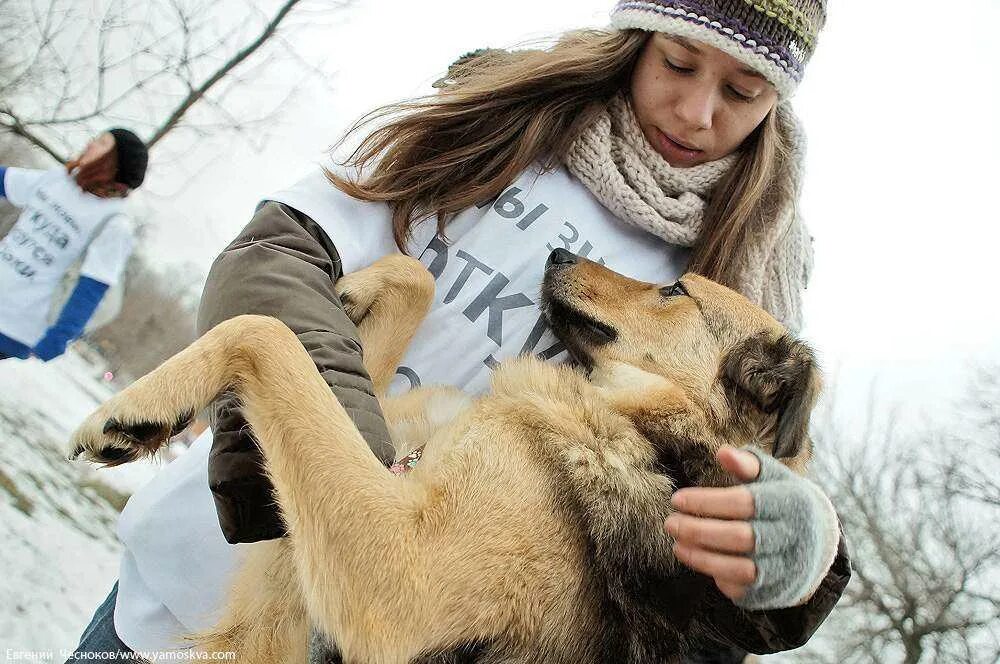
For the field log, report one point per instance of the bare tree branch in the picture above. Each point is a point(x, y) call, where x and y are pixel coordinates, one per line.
point(147, 64)
point(220, 73)
point(14, 126)
point(926, 556)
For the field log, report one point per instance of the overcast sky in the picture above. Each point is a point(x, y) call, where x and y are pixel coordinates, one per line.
point(901, 104)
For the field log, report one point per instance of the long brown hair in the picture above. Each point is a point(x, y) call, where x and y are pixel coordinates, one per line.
point(747, 200)
point(502, 111)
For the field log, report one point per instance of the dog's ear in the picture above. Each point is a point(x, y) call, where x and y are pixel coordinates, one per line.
point(777, 375)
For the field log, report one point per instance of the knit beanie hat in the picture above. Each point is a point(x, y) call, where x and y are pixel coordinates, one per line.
point(132, 158)
point(773, 37)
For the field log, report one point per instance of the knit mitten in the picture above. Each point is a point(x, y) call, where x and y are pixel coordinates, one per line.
point(796, 533)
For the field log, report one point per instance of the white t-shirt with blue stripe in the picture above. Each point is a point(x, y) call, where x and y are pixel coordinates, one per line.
point(58, 222)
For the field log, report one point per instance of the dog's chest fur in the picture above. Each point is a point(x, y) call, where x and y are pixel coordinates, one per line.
point(611, 486)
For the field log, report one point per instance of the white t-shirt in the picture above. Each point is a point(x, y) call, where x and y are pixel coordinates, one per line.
point(485, 310)
point(58, 222)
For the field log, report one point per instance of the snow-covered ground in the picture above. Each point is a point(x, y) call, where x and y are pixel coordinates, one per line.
point(59, 551)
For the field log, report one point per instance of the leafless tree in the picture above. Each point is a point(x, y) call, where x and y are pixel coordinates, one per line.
point(921, 517)
point(69, 68)
point(980, 482)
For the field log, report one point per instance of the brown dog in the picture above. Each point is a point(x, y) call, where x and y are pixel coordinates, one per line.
point(532, 529)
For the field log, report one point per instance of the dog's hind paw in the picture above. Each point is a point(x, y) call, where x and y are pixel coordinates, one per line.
point(111, 439)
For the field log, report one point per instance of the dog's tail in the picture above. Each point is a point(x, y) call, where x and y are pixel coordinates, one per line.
point(136, 422)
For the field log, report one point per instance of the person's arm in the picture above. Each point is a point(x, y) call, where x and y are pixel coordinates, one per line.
point(283, 265)
point(72, 319)
point(13, 348)
point(102, 267)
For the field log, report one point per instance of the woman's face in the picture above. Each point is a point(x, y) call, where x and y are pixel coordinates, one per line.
point(694, 103)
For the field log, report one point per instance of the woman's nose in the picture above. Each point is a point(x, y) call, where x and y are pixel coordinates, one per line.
point(696, 107)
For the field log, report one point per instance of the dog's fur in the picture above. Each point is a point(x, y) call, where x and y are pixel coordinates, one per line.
point(532, 528)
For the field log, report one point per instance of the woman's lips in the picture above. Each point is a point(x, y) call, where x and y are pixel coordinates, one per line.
point(676, 153)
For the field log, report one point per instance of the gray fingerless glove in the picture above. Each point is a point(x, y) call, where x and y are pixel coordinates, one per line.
point(796, 532)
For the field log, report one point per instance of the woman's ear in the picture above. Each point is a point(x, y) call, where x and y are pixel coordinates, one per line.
point(775, 375)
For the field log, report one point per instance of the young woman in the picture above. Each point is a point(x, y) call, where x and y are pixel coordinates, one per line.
point(661, 146)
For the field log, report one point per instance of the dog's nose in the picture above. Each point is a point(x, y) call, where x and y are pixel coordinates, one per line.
point(561, 257)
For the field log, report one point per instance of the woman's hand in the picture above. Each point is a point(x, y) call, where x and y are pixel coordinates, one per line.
point(767, 543)
point(712, 527)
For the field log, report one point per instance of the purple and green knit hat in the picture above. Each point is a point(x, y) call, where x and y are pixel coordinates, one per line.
point(774, 37)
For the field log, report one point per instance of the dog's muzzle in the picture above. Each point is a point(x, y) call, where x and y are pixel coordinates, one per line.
point(560, 257)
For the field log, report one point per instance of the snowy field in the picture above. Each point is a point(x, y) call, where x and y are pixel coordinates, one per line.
point(59, 556)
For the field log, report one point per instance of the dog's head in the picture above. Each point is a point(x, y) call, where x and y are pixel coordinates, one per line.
point(692, 342)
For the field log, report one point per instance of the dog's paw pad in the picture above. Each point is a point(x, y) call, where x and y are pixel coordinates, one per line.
point(147, 434)
point(107, 451)
point(119, 442)
point(113, 456)
point(141, 433)
point(349, 304)
point(356, 295)
point(353, 307)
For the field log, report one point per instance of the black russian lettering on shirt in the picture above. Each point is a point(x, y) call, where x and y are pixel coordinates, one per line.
point(471, 264)
point(490, 299)
point(410, 375)
point(567, 240)
point(440, 260)
point(509, 206)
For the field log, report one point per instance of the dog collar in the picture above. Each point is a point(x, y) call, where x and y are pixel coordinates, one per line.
point(406, 464)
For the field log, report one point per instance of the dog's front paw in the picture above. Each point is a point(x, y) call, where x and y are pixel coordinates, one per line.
point(357, 293)
point(111, 437)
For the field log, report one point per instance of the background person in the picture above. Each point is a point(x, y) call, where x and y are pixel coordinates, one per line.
point(68, 214)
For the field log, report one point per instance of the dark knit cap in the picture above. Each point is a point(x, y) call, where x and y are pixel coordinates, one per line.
point(774, 37)
point(132, 158)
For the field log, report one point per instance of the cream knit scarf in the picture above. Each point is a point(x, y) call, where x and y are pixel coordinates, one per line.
point(623, 171)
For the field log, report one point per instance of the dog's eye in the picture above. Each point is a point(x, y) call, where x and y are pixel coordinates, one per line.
point(673, 290)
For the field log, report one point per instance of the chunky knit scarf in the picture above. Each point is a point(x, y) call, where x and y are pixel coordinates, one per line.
point(623, 171)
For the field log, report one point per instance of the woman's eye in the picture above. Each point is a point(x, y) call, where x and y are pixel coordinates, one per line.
point(680, 69)
point(673, 290)
point(739, 96)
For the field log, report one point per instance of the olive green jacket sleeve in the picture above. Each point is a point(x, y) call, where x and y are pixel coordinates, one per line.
point(283, 265)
